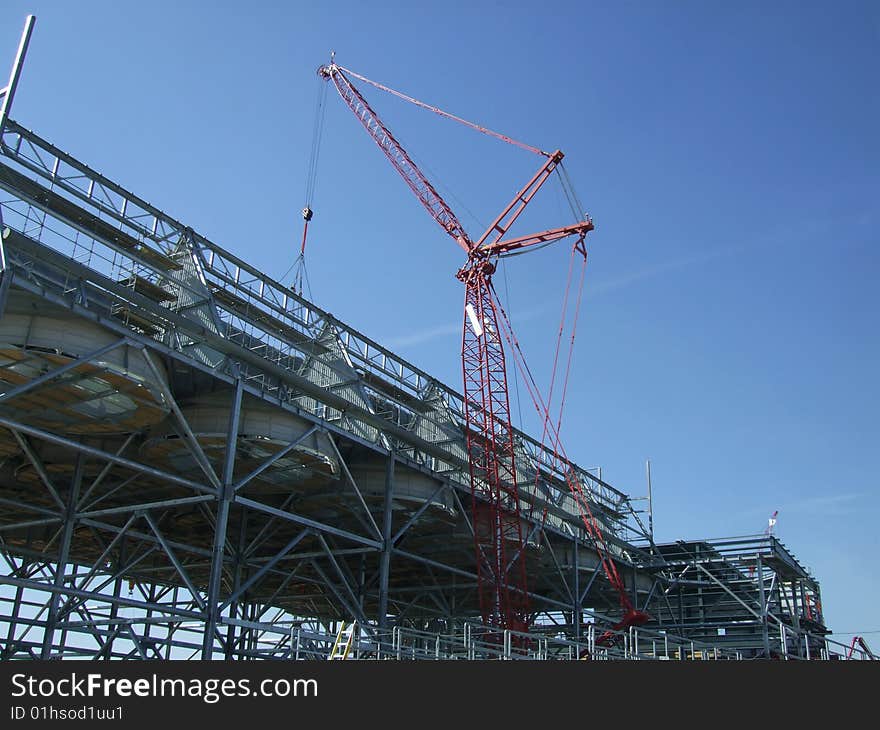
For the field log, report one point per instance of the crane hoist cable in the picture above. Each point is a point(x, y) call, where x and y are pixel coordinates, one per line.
point(447, 115)
point(300, 275)
point(631, 615)
point(577, 251)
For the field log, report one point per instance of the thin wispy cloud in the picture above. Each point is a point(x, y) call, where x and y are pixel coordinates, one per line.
point(609, 285)
point(443, 331)
point(827, 503)
point(816, 505)
point(424, 335)
point(784, 234)
point(787, 233)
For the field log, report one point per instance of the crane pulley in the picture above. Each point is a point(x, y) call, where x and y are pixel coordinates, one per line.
point(496, 519)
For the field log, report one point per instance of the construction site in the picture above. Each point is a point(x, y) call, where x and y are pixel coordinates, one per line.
point(196, 461)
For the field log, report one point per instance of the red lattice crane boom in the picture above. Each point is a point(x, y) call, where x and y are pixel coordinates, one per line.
point(497, 524)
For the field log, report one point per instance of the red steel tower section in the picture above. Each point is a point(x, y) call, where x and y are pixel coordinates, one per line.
point(498, 539)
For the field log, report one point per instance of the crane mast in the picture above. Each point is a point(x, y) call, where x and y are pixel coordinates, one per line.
point(497, 523)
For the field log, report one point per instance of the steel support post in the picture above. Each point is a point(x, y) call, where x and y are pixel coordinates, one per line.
point(13, 619)
point(233, 605)
point(795, 618)
point(765, 634)
point(117, 591)
point(61, 564)
point(5, 279)
point(225, 495)
point(148, 625)
point(635, 589)
point(387, 543)
point(576, 583)
point(701, 607)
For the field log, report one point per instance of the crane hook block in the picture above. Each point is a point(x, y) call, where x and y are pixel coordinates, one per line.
point(307, 213)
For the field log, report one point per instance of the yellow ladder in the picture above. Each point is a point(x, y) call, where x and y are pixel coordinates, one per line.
point(344, 640)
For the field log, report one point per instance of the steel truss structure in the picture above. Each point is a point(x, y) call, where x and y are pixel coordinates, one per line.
point(197, 462)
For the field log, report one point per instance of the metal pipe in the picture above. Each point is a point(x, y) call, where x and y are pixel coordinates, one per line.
point(15, 73)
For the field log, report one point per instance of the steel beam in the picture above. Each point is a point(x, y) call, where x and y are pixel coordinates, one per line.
point(37, 463)
point(143, 507)
point(30, 523)
point(306, 522)
point(106, 470)
point(244, 481)
point(59, 371)
point(418, 513)
point(178, 566)
point(258, 576)
point(103, 455)
point(188, 435)
point(376, 531)
point(576, 607)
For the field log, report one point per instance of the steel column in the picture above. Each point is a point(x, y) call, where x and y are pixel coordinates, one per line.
point(225, 497)
point(765, 635)
point(13, 621)
point(61, 565)
point(576, 603)
point(387, 542)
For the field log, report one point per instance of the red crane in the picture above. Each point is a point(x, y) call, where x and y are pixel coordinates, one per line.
point(498, 537)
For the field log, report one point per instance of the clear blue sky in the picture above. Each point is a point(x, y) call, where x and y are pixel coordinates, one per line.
point(728, 153)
